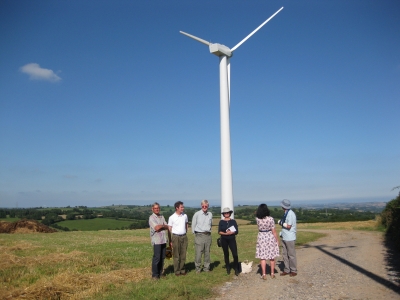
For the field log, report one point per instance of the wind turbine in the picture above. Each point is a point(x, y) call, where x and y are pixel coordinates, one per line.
point(224, 54)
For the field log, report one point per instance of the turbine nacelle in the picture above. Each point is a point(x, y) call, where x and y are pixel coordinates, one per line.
point(219, 50)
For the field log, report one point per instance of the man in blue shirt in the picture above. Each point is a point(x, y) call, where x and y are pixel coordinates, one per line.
point(288, 234)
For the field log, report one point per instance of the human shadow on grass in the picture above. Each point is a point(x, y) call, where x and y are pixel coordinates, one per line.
point(393, 286)
point(189, 267)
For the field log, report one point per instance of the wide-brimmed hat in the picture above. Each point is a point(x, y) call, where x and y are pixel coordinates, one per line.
point(286, 204)
point(226, 210)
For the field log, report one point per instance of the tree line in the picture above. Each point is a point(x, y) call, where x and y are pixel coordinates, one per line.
point(140, 214)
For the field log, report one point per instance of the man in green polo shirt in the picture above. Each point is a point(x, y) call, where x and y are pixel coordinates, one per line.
point(201, 227)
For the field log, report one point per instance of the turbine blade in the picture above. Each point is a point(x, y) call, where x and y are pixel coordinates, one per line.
point(255, 30)
point(196, 38)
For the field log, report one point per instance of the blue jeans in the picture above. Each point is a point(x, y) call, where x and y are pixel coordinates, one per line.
point(157, 265)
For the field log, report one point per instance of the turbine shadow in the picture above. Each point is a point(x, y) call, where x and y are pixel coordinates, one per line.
point(367, 273)
point(393, 261)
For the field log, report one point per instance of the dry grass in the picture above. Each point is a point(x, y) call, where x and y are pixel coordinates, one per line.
point(238, 221)
point(70, 285)
point(74, 265)
point(242, 222)
point(10, 260)
point(357, 225)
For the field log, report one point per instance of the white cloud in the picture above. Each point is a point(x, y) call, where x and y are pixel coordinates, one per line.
point(35, 72)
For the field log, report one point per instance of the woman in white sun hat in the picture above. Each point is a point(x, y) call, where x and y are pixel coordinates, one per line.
point(228, 230)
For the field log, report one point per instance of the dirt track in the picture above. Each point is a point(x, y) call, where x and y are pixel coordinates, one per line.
point(342, 265)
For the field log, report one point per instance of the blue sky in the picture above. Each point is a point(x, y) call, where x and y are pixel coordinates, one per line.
point(104, 102)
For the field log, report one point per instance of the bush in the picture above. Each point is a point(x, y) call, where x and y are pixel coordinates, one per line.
point(390, 219)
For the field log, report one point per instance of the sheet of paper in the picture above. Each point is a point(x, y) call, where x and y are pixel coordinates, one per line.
point(232, 229)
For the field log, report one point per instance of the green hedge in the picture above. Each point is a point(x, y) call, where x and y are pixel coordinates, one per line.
point(390, 218)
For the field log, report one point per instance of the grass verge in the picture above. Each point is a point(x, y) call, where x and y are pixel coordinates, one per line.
point(371, 225)
point(95, 224)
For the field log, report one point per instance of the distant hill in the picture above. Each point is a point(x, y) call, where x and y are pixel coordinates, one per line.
point(375, 207)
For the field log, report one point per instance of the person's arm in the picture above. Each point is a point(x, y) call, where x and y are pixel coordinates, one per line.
point(169, 236)
point(226, 232)
point(169, 224)
point(221, 231)
point(236, 227)
point(162, 227)
point(153, 225)
point(194, 221)
point(275, 235)
point(289, 221)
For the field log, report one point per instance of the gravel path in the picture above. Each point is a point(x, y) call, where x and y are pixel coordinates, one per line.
point(342, 265)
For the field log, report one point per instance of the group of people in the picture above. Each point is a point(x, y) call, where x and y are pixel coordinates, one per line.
point(174, 234)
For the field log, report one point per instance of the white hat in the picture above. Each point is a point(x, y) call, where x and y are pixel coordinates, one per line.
point(227, 210)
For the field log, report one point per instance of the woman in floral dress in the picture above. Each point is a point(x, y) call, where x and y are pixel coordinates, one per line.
point(267, 240)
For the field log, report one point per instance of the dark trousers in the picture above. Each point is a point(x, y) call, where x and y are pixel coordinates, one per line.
point(157, 264)
point(231, 244)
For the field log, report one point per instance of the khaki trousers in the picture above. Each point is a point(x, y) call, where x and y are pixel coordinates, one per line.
point(202, 246)
point(179, 248)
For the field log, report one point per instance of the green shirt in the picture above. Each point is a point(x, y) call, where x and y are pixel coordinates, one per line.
point(202, 222)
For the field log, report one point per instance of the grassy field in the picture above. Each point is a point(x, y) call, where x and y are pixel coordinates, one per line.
point(9, 219)
point(95, 224)
point(109, 265)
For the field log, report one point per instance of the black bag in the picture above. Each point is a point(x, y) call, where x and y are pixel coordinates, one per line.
point(219, 242)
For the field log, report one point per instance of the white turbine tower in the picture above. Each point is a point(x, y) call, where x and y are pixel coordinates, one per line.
point(224, 54)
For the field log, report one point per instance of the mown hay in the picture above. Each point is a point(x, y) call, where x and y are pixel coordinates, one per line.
point(10, 260)
point(70, 285)
point(24, 226)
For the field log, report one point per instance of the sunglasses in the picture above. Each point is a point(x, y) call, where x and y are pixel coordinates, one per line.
point(204, 206)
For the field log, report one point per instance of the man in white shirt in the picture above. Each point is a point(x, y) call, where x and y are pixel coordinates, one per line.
point(178, 226)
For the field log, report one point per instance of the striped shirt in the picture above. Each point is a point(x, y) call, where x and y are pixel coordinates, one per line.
point(160, 237)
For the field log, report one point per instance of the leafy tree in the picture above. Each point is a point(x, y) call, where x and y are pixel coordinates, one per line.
point(3, 213)
point(51, 218)
point(70, 216)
